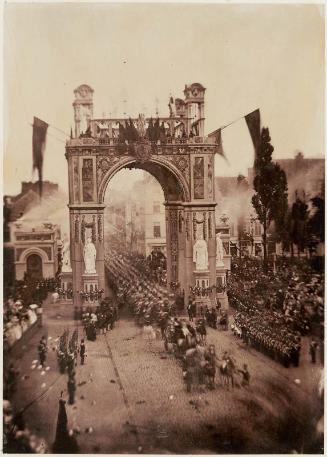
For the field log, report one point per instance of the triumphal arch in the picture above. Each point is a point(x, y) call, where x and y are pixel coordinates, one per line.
point(176, 152)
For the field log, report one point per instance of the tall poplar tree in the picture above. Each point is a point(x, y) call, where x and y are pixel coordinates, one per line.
point(270, 185)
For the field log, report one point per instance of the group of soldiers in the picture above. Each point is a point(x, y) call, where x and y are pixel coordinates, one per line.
point(133, 286)
point(276, 342)
point(67, 354)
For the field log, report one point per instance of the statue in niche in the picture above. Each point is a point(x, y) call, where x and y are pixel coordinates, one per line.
point(90, 254)
point(219, 251)
point(66, 266)
point(200, 254)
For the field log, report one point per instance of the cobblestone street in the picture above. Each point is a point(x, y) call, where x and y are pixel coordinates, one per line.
point(131, 397)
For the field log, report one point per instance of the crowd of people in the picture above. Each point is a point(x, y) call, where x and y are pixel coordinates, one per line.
point(99, 320)
point(23, 305)
point(22, 309)
point(274, 310)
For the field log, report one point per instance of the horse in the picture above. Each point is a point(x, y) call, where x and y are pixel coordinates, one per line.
point(202, 332)
point(223, 321)
point(227, 370)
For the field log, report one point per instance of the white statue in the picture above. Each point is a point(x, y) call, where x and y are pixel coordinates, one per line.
point(66, 267)
point(90, 254)
point(219, 251)
point(200, 254)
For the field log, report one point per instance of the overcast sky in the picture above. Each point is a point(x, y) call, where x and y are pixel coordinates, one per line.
point(247, 56)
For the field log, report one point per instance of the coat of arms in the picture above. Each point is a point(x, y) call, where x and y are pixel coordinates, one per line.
point(143, 151)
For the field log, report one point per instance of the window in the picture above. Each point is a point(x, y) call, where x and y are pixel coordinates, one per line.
point(156, 230)
point(156, 207)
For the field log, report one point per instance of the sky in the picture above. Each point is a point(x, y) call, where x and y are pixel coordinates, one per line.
point(251, 56)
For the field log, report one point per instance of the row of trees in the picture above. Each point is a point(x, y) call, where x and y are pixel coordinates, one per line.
point(290, 225)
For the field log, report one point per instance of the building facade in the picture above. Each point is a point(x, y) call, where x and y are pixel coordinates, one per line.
point(36, 250)
point(15, 208)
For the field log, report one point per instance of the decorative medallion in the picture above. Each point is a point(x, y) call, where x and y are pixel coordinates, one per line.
point(104, 164)
point(182, 163)
point(142, 151)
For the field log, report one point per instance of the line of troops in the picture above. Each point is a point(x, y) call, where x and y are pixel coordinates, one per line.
point(280, 344)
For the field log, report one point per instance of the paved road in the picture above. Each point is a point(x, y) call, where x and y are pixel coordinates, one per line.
point(132, 394)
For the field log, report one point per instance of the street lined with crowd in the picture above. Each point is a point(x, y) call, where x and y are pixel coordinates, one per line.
point(275, 310)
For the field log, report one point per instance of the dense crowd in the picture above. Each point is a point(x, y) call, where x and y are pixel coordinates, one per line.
point(22, 306)
point(274, 310)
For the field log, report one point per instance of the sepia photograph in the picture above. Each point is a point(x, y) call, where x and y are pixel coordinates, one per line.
point(163, 228)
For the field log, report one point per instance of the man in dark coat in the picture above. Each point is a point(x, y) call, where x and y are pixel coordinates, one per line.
point(82, 351)
point(71, 387)
point(42, 350)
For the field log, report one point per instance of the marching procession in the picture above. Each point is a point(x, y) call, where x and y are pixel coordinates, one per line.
point(272, 322)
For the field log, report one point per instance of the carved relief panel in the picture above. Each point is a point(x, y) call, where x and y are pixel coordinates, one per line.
point(87, 180)
point(198, 178)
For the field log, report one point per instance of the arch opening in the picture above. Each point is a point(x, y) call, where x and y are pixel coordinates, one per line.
point(171, 180)
point(34, 266)
point(134, 216)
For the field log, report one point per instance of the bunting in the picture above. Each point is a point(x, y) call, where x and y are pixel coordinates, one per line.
point(39, 139)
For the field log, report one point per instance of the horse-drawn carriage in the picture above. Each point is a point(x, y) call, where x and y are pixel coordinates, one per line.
point(179, 337)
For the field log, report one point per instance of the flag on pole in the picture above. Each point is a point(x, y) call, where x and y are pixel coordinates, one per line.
point(220, 149)
point(253, 123)
point(39, 138)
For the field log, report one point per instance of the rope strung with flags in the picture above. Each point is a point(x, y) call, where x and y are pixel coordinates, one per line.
point(254, 125)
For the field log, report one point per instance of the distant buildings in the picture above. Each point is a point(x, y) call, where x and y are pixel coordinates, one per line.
point(30, 246)
point(137, 219)
point(305, 178)
point(150, 198)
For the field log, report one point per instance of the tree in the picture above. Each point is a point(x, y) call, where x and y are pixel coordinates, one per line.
point(317, 220)
point(299, 219)
point(270, 185)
